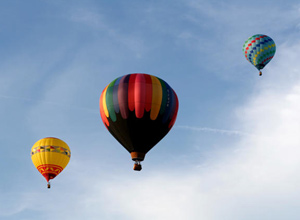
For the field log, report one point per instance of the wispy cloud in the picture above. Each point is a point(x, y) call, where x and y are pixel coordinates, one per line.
point(108, 30)
point(88, 17)
point(11, 204)
point(38, 101)
point(244, 21)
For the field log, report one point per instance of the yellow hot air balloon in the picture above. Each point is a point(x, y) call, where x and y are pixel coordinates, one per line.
point(50, 156)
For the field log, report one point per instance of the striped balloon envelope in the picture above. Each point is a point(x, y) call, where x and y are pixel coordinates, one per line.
point(138, 110)
point(259, 50)
point(50, 156)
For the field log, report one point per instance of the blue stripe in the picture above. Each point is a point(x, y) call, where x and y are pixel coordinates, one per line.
point(115, 95)
point(169, 102)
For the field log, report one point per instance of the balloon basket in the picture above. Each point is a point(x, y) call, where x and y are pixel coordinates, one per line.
point(137, 167)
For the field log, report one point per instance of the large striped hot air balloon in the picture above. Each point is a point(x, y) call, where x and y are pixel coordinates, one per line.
point(50, 156)
point(138, 110)
point(259, 50)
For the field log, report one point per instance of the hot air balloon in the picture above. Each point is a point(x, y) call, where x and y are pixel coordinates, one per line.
point(259, 50)
point(50, 156)
point(138, 110)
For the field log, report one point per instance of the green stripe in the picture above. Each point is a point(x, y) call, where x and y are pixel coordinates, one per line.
point(164, 97)
point(109, 101)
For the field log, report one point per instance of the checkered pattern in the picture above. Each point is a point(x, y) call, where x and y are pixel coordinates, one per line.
point(259, 50)
point(56, 149)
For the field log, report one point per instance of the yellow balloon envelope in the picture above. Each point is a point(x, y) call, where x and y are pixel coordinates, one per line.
point(50, 156)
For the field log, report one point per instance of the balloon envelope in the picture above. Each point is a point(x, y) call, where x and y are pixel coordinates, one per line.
point(138, 110)
point(50, 156)
point(259, 50)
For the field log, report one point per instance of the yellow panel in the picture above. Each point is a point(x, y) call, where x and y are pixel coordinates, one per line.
point(50, 151)
point(104, 102)
point(50, 158)
point(156, 97)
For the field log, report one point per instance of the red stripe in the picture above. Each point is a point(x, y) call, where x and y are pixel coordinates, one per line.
point(247, 48)
point(131, 88)
point(148, 92)
point(265, 60)
point(140, 95)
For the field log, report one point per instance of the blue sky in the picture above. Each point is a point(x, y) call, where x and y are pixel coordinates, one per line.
point(233, 152)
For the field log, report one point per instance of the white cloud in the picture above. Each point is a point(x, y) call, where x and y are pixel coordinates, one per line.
point(258, 180)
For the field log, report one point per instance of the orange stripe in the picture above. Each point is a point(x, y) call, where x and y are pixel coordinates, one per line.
point(156, 97)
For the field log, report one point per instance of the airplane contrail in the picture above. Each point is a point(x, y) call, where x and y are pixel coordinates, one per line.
point(214, 130)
